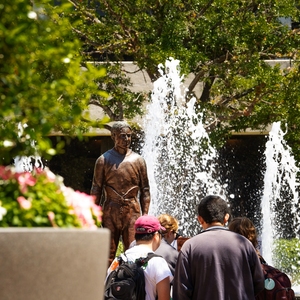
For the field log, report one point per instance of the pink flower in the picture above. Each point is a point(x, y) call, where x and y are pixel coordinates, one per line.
point(50, 175)
point(5, 173)
point(51, 217)
point(39, 171)
point(24, 203)
point(25, 179)
point(83, 207)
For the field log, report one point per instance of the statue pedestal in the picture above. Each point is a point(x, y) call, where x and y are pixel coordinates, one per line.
point(51, 263)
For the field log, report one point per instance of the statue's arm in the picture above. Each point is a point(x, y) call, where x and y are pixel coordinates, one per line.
point(144, 188)
point(98, 181)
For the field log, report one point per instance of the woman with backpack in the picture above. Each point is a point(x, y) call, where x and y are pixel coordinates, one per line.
point(277, 283)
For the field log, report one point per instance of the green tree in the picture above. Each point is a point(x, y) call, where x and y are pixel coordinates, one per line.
point(43, 81)
point(225, 45)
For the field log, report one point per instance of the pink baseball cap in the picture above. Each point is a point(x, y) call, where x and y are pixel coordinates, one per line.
point(147, 224)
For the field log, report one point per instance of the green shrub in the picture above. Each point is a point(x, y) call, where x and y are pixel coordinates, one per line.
point(287, 258)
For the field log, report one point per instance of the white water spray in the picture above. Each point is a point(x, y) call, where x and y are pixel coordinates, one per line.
point(280, 195)
point(27, 163)
point(181, 163)
point(177, 149)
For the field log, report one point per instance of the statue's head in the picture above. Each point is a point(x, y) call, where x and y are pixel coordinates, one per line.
point(121, 135)
point(117, 127)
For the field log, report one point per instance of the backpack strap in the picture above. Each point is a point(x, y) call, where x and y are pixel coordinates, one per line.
point(262, 260)
point(123, 257)
point(150, 255)
point(142, 261)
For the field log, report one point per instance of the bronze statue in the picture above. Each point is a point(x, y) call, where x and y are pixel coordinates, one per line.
point(121, 187)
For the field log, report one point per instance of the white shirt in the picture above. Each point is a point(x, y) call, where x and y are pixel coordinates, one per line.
point(156, 270)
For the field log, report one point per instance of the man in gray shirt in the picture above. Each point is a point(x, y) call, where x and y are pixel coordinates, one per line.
point(217, 264)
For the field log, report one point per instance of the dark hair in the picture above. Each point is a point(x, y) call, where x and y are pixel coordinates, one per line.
point(245, 227)
point(144, 236)
point(213, 209)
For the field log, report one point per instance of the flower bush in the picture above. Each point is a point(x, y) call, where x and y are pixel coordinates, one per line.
point(40, 199)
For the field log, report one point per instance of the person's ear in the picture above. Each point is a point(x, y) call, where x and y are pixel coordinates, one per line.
point(200, 220)
point(158, 237)
point(226, 218)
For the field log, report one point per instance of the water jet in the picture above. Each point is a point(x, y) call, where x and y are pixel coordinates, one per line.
point(182, 164)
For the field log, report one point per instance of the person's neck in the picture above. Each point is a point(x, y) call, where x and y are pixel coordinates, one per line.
point(148, 245)
point(213, 224)
point(122, 151)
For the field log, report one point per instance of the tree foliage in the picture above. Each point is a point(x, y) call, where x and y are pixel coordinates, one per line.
point(43, 85)
point(224, 45)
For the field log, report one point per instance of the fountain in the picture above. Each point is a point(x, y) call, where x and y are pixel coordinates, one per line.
point(177, 151)
point(27, 163)
point(280, 196)
point(182, 162)
point(280, 217)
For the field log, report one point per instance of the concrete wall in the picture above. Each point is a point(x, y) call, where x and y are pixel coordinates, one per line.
point(52, 263)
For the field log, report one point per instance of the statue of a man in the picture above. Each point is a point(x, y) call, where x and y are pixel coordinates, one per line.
point(121, 187)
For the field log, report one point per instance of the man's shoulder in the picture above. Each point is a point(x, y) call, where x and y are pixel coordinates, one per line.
point(137, 251)
point(105, 154)
point(158, 263)
point(167, 249)
point(225, 236)
point(111, 154)
point(203, 235)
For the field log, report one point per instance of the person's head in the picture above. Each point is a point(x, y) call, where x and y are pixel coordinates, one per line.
point(148, 230)
point(213, 210)
point(245, 227)
point(171, 225)
point(121, 135)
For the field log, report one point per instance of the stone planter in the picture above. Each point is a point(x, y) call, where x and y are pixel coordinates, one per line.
point(51, 263)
